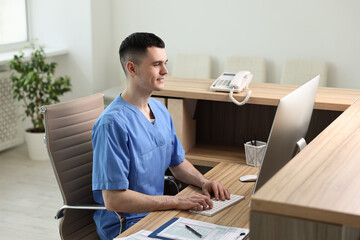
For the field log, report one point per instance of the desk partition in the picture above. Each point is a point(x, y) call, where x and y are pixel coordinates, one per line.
point(212, 129)
point(318, 191)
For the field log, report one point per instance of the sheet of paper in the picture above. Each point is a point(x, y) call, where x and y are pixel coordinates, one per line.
point(141, 235)
point(178, 231)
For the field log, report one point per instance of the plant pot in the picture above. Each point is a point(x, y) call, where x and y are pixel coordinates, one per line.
point(36, 146)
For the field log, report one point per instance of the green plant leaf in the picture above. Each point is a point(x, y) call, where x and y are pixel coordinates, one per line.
point(34, 83)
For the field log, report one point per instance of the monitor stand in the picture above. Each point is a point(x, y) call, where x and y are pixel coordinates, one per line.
point(300, 145)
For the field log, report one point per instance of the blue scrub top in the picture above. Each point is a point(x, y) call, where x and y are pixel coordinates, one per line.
point(130, 152)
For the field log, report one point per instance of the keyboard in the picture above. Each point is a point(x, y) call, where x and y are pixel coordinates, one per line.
point(219, 205)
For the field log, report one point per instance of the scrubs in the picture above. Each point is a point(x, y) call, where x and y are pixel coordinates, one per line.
point(130, 152)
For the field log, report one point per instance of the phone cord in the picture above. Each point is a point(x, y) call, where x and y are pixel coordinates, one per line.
point(235, 101)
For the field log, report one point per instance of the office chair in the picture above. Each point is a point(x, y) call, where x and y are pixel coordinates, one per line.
point(192, 66)
point(298, 72)
point(68, 128)
point(256, 65)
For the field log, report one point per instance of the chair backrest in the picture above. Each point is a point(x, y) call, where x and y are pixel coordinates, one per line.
point(256, 65)
point(192, 66)
point(298, 72)
point(68, 136)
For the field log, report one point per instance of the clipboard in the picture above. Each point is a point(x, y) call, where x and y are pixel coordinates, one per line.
point(165, 225)
point(171, 221)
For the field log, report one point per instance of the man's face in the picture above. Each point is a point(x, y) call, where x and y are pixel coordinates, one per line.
point(152, 70)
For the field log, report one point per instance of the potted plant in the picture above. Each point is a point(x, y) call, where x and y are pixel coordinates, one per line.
point(34, 83)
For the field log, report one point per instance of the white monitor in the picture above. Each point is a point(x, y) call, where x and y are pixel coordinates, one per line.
point(290, 126)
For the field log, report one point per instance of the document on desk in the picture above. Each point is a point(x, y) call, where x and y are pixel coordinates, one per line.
point(189, 229)
point(140, 235)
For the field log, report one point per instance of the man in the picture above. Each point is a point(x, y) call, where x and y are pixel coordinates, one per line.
point(134, 142)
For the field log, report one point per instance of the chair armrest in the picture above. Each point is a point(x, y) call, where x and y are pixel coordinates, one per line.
point(175, 184)
point(60, 212)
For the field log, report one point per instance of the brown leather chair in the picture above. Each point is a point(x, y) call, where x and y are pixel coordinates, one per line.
point(68, 128)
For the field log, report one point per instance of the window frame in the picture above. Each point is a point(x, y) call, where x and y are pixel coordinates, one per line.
point(19, 45)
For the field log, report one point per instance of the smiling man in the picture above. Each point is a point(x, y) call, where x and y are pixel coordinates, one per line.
point(134, 142)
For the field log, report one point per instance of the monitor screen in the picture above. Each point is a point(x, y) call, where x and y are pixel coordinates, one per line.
point(290, 125)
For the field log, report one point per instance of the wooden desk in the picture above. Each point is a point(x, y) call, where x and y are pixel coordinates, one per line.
point(312, 197)
point(336, 99)
point(318, 192)
point(211, 127)
point(235, 216)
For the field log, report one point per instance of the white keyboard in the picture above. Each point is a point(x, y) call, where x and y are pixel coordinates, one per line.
point(219, 205)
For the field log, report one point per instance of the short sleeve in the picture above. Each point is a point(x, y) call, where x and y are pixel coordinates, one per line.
point(110, 157)
point(178, 152)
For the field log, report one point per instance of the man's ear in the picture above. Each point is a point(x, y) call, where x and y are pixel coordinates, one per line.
point(131, 68)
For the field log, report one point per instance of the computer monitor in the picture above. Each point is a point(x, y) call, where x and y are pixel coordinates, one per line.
point(289, 127)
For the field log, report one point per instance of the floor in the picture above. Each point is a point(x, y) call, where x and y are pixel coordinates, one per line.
point(29, 197)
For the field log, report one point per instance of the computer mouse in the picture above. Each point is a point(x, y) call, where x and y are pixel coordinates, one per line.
point(248, 178)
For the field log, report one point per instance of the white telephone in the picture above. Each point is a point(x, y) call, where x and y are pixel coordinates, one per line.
point(231, 82)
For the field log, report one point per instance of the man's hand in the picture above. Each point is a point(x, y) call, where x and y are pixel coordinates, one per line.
point(187, 173)
point(193, 202)
point(218, 190)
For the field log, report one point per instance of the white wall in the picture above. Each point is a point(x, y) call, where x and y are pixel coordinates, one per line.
point(92, 30)
point(66, 23)
point(277, 30)
point(85, 28)
point(105, 59)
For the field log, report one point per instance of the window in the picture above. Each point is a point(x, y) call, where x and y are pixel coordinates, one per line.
point(13, 22)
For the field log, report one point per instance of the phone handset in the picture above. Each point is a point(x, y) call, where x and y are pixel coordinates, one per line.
point(240, 81)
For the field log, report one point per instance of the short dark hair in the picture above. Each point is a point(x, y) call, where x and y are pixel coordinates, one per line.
point(134, 47)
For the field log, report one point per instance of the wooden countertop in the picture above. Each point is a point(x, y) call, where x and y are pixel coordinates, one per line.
point(337, 99)
point(322, 182)
point(235, 216)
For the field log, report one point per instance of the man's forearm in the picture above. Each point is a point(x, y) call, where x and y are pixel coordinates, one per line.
point(133, 202)
point(187, 173)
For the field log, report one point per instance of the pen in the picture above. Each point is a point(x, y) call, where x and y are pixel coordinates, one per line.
point(246, 236)
point(243, 236)
point(193, 230)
